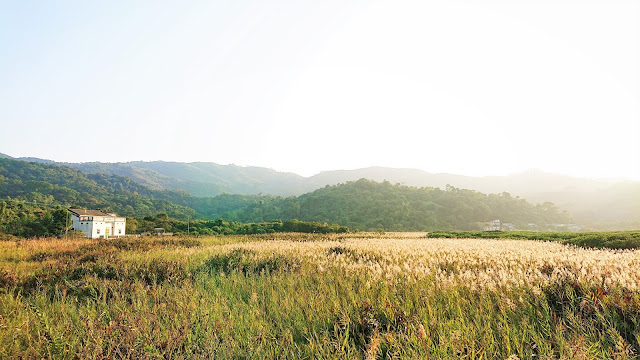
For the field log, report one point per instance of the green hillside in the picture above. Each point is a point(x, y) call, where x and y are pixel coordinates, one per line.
point(55, 184)
point(202, 178)
point(599, 204)
point(370, 205)
point(363, 204)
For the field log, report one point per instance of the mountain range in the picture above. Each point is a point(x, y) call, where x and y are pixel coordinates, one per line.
point(29, 190)
point(587, 200)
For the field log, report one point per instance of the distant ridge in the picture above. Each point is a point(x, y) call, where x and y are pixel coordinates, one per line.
point(362, 204)
point(210, 179)
point(586, 199)
point(531, 181)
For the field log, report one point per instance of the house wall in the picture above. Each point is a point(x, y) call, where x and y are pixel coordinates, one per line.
point(83, 224)
point(120, 226)
point(96, 227)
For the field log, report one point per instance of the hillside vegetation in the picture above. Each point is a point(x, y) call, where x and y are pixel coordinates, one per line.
point(54, 184)
point(31, 221)
point(210, 179)
point(602, 204)
point(369, 205)
point(363, 204)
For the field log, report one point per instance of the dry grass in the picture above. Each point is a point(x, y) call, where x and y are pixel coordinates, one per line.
point(297, 296)
point(476, 263)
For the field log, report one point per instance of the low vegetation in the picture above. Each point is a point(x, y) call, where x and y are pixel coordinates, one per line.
point(610, 240)
point(29, 221)
point(224, 227)
point(285, 295)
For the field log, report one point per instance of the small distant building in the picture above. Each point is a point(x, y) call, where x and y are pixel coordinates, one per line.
point(157, 232)
point(161, 231)
point(96, 224)
point(507, 227)
point(493, 226)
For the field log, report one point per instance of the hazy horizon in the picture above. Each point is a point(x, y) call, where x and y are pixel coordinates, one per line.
point(475, 88)
point(523, 171)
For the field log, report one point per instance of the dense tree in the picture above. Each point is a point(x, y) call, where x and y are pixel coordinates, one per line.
point(370, 205)
point(53, 184)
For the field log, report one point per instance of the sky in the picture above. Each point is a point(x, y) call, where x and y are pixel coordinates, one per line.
point(472, 87)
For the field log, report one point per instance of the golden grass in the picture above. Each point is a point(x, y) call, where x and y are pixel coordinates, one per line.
point(477, 263)
point(346, 296)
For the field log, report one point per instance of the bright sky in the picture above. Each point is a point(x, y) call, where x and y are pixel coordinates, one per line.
point(469, 87)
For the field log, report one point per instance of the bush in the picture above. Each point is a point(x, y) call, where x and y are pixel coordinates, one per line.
point(249, 263)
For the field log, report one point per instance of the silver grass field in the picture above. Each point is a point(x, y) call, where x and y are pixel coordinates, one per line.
point(348, 296)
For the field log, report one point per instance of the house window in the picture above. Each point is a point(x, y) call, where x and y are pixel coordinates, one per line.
point(98, 231)
point(119, 231)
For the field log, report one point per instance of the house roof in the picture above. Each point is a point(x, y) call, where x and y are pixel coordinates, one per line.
point(88, 212)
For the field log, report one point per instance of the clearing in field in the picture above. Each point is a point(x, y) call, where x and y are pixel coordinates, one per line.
point(317, 296)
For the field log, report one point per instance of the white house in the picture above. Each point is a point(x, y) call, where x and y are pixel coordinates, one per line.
point(96, 224)
point(495, 225)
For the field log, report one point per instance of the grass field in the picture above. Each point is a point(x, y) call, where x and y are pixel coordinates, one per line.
point(348, 296)
point(608, 239)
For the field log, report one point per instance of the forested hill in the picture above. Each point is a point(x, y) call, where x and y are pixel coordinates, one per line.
point(611, 204)
point(211, 179)
point(200, 178)
point(55, 184)
point(363, 204)
point(370, 205)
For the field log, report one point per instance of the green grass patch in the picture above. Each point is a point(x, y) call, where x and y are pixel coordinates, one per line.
point(609, 240)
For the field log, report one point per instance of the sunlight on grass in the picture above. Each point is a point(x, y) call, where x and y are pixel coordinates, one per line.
point(296, 296)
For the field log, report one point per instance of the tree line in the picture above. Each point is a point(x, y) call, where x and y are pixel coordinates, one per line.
point(369, 205)
point(29, 220)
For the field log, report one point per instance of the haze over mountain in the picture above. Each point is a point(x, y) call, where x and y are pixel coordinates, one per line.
point(588, 200)
point(210, 179)
point(363, 204)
